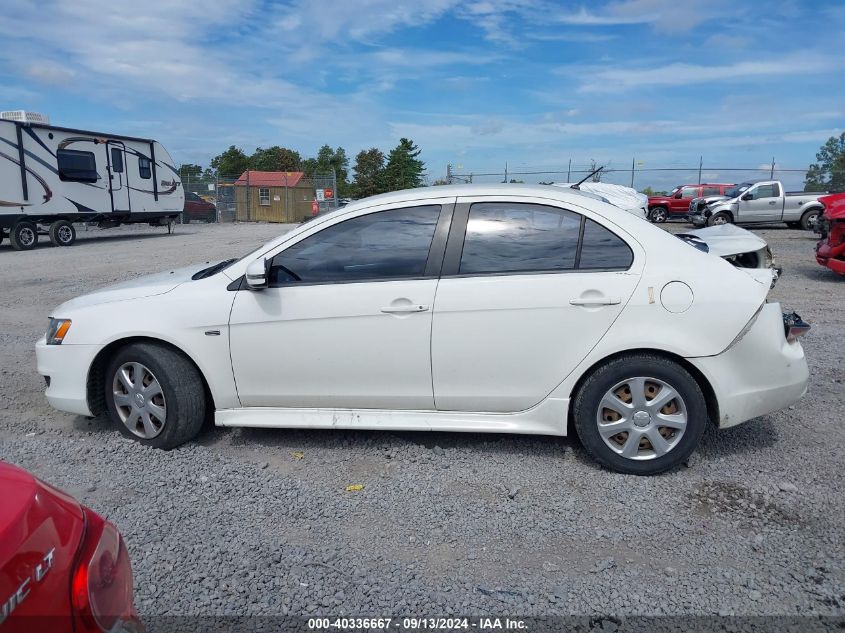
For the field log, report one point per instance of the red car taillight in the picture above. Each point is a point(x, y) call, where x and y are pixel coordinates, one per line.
point(101, 585)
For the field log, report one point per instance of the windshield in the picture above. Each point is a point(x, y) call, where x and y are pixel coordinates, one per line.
point(733, 192)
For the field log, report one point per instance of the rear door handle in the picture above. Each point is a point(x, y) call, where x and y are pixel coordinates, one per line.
point(404, 309)
point(596, 301)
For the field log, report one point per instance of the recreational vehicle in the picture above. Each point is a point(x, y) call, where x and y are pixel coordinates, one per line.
point(52, 177)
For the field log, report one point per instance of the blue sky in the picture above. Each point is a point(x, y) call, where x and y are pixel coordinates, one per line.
point(475, 84)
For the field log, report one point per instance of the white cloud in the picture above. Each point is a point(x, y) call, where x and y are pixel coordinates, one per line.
point(49, 72)
point(679, 74)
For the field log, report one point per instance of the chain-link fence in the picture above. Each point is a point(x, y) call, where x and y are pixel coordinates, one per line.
point(636, 174)
point(256, 196)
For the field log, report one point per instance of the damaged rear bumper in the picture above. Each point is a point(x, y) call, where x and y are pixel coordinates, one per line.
point(761, 373)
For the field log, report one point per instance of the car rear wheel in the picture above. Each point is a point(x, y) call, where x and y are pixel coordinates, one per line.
point(810, 219)
point(155, 395)
point(640, 415)
point(24, 235)
point(658, 215)
point(62, 233)
point(719, 218)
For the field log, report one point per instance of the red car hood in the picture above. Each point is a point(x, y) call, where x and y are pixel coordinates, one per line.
point(40, 531)
point(653, 199)
point(834, 206)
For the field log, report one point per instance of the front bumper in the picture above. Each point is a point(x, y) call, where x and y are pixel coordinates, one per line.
point(762, 373)
point(67, 367)
point(698, 219)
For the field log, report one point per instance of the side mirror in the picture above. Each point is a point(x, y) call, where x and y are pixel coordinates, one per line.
point(678, 195)
point(748, 196)
point(256, 274)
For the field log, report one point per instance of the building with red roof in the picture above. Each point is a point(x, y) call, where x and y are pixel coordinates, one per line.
point(273, 196)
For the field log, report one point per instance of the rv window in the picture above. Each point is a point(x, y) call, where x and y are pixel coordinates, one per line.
point(144, 169)
point(76, 166)
point(116, 160)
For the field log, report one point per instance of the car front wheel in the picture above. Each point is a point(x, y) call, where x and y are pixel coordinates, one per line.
point(719, 218)
point(657, 215)
point(640, 415)
point(155, 395)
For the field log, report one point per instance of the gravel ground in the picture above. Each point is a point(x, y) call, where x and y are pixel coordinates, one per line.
point(259, 521)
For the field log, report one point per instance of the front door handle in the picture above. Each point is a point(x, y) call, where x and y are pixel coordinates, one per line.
point(415, 307)
point(596, 301)
point(773, 202)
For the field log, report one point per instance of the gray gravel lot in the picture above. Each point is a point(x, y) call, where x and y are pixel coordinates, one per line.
point(240, 523)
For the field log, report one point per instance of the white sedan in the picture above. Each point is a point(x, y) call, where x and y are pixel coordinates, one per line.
point(477, 308)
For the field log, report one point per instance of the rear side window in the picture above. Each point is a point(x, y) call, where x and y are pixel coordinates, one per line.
point(116, 160)
point(383, 245)
point(603, 249)
point(511, 237)
point(76, 166)
point(710, 191)
point(144, 168)
point(514, 237)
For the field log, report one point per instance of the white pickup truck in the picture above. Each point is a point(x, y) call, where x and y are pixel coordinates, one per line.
point(758, 202)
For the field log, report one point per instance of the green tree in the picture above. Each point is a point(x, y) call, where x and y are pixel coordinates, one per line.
point(828, 172)
point(231, 163)
point(329, 160)
point(404, 170)
point(275, 158)
point(369, 173)
point(189, 172)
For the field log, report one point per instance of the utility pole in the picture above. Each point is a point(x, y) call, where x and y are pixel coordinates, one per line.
point(772, 173)
point(506, 172)
point(568, 170)
point(449, 174)
point(632, 172)
point(700, 165)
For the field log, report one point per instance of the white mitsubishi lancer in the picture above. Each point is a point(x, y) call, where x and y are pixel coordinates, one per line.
point(476, 308)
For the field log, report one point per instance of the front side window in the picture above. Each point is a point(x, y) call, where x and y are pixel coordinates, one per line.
point(263, 197)
point(76, 166)
point(689, 192)
point(766, 191)
point(390, 244)
point(512, 237)
point(144, 168)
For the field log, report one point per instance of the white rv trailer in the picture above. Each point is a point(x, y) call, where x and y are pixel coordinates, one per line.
point(52, 177)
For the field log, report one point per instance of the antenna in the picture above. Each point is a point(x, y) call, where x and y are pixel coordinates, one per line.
point(578, 184)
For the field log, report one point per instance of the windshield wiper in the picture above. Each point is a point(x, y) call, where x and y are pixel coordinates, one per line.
point(211, 270)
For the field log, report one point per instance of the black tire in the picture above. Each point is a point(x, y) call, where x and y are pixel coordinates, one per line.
point(586, 410)
point(719, 218)
point(181, 385)
point(810, 219)
point(62, 233)
point(24, 235)
point(658, 215)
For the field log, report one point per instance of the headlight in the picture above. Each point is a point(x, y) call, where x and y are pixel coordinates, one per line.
point(57, 330)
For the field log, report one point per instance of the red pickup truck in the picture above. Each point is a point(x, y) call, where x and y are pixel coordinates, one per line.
point(63, 567)
point(676, 204)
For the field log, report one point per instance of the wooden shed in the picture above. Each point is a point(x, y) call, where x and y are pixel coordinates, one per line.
point(273, 196)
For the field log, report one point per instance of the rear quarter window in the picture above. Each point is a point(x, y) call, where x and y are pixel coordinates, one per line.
point(602, 249)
